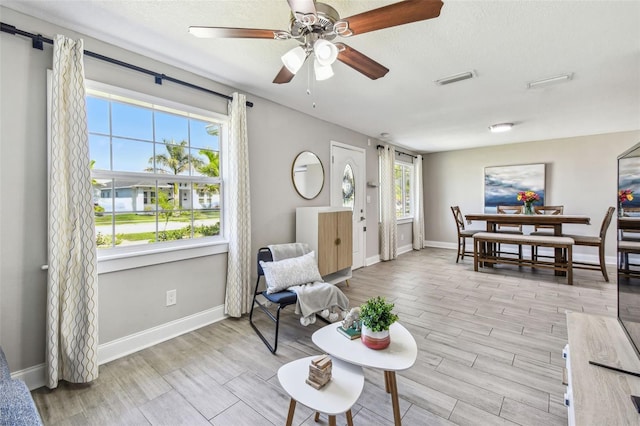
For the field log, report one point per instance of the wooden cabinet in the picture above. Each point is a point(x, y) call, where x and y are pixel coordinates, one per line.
point(329, 232)
point(596, 395)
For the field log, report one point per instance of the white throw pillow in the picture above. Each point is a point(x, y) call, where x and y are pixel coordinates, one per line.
point(285, 273)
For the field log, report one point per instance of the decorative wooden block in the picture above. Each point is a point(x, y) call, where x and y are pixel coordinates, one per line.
point(319, 371)
point(314, 384)
point(321, 361)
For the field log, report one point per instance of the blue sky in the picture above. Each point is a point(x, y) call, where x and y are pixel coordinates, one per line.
point(132, 130)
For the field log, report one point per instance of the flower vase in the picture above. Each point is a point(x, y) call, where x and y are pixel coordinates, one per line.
point(528, 208)
point(375, 339)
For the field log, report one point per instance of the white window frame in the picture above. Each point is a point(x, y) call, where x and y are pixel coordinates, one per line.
point(120, 258)
point(407, 218)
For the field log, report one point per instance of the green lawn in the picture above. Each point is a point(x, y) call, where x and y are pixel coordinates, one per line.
point(124, 218)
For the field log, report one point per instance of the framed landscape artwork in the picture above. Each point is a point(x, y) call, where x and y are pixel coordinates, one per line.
point(502, 184)
point(629, 179)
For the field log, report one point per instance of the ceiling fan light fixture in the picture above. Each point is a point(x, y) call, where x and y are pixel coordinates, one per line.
point(500, 127)
point(323, 72)
point(562, 78)
point(325, 51)
point(455, 78)
point(294, 59)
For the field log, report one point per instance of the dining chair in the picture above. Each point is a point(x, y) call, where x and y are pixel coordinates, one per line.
point(463, 233)
point(631, 211)
point(550, 210)
point(594, 241)
point(630, 234)
point(509, 228)
point(627, 249)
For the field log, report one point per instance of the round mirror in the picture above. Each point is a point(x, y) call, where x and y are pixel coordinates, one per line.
point(307, 174)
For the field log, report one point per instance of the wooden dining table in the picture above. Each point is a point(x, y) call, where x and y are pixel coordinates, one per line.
point(556, 221)
point(629, 223)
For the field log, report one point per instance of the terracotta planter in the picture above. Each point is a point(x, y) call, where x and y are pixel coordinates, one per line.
point(375, 339)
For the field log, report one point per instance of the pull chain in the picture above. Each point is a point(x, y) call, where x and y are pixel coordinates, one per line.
point(311, 83)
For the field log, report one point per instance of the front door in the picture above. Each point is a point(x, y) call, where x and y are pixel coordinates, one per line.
point(348, 189)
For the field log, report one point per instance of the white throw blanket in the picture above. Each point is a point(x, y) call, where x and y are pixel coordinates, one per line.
point(318, 296)
point(288, 250)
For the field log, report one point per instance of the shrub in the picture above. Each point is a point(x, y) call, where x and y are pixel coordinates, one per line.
point(106, 241)
point(208, 230)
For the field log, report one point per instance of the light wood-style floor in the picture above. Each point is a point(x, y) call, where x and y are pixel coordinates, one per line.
point(489, 343)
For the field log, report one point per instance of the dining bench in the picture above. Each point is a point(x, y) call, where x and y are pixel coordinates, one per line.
point(483, 254)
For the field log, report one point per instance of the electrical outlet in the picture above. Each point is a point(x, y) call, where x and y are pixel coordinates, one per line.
point(171, 297)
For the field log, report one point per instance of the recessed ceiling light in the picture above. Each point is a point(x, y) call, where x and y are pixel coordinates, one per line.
point(562, 78)
point(500, 127)
point(384, 135)
point(455, 78)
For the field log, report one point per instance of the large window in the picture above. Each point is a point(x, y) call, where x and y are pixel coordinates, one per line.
point(156, 170)
point(404, 180)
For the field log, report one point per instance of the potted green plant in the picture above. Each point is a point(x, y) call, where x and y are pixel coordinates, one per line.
point(376, 318)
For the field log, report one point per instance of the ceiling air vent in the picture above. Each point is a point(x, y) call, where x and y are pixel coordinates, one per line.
point(455, 78)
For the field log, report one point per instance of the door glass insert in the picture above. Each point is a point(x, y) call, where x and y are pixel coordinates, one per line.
point(348, 187)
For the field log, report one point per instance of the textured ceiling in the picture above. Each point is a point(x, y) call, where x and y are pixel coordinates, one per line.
point(506, 43)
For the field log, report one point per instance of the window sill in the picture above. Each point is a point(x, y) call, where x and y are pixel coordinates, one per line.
point(403, 221)
point(130, 259)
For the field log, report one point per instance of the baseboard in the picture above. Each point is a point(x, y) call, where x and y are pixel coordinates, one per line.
point(405, 249)
point(35, 377)
point(440, 244)
point(141, 340)
point(372, 260)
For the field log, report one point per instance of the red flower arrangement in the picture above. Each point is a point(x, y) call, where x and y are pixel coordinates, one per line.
point(625, 195)
point(528, 197)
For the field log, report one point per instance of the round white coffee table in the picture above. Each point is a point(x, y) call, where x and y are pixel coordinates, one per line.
point(336, 397)
point(400, 355)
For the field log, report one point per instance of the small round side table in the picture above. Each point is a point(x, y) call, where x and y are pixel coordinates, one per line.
point(336, 397)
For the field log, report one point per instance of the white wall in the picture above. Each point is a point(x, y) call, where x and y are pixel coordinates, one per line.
point(581, 174)
point(133, 301)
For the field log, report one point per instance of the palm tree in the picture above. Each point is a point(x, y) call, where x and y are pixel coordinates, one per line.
point(175, 161)
point(212, 168)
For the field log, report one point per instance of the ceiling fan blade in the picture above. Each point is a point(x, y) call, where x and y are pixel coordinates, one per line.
point(400, 13)
point(222, 32)
point(284, 76)
point(360, 62)
point(304, 7)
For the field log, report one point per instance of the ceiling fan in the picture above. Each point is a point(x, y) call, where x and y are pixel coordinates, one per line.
point(314, 25)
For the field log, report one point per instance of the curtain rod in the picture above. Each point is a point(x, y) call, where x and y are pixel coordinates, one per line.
point(399, 152)
point(37, 42)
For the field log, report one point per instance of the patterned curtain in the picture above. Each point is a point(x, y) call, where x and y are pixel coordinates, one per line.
point(388, 225)
point(418, 205)
point(238, 296)
point(72, 288)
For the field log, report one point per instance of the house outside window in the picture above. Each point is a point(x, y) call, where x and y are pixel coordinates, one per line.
point(404, 184)
point(149, 197)
point(156, 170)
